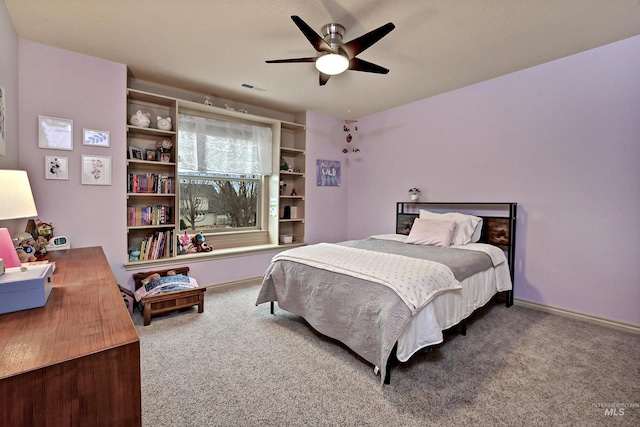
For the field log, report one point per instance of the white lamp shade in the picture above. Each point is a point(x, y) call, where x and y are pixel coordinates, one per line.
point(16, 199)
point(332, 64)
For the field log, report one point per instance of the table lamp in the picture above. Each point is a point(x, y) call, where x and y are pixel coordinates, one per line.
point(16, 201)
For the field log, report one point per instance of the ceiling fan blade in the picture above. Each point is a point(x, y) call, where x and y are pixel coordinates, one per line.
point(357, 64)
point(355, 46)
point(324, 78)
point(314, 38)
point(282, 61)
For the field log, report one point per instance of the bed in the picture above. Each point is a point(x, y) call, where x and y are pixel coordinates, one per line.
point(172, 290)
point(388, 296)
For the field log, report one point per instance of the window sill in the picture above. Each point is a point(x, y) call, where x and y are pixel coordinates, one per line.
point(209, 256)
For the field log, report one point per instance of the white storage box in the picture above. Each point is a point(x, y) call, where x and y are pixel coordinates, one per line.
point(20, 290)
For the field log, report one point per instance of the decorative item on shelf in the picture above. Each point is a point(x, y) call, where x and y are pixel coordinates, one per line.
point(164, 124)
point(229, 107)
point(282, 187)
point(164, 149)
point(286, 239)
point(135, 153)
point(414, 193)
point(45, 229)
point(28, 248)
point(134, 254)
point(293, 192)
point(284, 166)
point(207, 101)
point(185, 245)
point(17, 202)
point(141, 119)
point(150, 155)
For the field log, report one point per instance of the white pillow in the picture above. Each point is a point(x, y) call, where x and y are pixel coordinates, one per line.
point(478, 230)
point(431, 232)
point(468, 227)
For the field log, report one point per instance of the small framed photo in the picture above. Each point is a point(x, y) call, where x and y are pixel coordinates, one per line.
point(96, 138)
point(135, 153)
point(150, 155)
point(96, 170)
point(165, 157)
point(56, 167)
point(55, 133)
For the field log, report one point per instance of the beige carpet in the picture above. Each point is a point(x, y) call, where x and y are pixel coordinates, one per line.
point(237, 365)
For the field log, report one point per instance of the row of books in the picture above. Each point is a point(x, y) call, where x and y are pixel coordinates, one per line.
point(157, 245)
point(150, 183)
point(148, 215)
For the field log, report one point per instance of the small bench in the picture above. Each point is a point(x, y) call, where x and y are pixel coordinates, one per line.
point(169, 301)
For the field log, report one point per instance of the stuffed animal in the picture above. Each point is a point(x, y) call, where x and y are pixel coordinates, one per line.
point(164, 124)
point(185, 244)
point(40, 245)
point(200, 244)
point(154, 276)
point(25, 256)
point(140, 118)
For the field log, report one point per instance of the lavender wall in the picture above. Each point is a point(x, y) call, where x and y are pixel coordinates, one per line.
point(9, 82)
point(91, 92)
point(326, 207)
point(562, 139)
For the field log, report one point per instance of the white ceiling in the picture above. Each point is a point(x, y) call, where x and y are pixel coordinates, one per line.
point(214, 46)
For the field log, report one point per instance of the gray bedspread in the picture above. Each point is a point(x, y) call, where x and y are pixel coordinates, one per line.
point(463, 263)
point(367, 317)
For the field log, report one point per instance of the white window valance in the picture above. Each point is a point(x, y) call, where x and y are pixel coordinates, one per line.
point(208, 145)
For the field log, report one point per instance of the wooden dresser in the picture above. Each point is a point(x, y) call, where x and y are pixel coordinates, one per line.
point(75, 361)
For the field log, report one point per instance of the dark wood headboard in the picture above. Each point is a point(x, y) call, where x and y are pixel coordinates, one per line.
point(498, 223)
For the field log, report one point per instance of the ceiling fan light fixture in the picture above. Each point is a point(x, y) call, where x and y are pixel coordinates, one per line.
point(332, 64)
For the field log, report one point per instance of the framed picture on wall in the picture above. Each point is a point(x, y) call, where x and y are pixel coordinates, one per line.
point(56, 167)
point(96, 170)
point(96, 138)
point(55, 133)
point(328, 173)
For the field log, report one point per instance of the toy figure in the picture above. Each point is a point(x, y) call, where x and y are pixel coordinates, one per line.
point(184, 244)
point(200, 244)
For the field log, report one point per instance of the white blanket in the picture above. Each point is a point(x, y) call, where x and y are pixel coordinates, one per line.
point(415, 281)
point(498, 258)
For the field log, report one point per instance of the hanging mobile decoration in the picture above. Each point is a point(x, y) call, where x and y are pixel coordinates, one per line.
point(349, 137)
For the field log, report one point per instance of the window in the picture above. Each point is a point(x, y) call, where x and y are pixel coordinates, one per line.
point(219, 202)
point(222, 170)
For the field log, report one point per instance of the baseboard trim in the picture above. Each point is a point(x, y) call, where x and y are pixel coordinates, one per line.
point(236, 283)
point(627, 327)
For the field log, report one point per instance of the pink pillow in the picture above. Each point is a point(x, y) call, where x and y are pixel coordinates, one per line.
point(431, 232)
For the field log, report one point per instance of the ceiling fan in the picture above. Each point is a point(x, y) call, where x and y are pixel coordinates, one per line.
point(334, 56)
